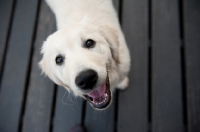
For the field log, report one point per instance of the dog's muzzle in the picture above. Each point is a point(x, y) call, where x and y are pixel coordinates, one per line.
point(99, 97)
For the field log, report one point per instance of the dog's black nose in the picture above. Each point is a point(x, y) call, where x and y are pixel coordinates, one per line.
point(86, 79)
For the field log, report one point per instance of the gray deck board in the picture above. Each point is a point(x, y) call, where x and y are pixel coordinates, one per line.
point(192, 60)
point(40, 93)
point(100, 121)
point(167, 107)
point(68, 111)
point(6, 8)
point(132, 106)
point(16, 65)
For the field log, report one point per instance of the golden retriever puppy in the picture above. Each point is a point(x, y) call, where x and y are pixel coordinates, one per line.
point(88, 54)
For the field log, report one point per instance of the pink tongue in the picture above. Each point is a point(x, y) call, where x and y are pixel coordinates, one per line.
point(98, 92)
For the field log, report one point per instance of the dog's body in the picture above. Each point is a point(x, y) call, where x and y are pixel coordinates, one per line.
point(88, 53)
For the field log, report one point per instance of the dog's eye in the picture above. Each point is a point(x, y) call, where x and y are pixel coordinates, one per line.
point(89, 43)
point(59, 60)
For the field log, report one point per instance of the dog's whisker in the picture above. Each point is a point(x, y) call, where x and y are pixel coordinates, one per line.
point(63, 98)
point(68, 100)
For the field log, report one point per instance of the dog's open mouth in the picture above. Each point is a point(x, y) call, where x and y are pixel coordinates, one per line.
point(100, 98)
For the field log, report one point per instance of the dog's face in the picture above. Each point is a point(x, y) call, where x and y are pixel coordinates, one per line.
point(79, 58)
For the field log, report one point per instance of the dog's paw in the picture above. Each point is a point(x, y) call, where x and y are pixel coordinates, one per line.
point(123, 84)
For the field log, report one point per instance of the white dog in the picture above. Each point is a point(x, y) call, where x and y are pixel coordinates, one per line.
point(88, 54)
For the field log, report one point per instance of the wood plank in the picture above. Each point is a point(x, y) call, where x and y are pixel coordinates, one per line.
point(68, 111)
point(167, 105)
point(132, 107)
point(6, 8)
point(39, 102)
point(192, 57)
point(16, 65)
point(101, 121)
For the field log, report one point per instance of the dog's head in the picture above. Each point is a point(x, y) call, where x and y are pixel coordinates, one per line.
point(80, 59)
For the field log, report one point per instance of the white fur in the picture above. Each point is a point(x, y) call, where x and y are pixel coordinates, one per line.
point(77, 21)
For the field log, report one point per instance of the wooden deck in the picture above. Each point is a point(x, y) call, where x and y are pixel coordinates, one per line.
point(164, 92)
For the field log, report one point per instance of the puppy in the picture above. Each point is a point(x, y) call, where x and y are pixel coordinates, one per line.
point(88, 54)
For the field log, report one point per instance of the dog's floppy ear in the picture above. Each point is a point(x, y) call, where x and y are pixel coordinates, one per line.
point(44, 64)
point(111, 37)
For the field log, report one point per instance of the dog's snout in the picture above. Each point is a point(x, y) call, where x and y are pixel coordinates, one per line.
point(86, 79)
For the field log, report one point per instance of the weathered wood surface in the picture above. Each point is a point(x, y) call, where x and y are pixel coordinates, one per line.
point(192, 62)
point(6, 10)
point(40, 92)
point(164, 91)
point(16, 66)
point(132, 106)
point(167, 103)
point(68, 111)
